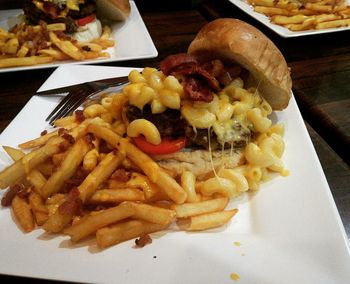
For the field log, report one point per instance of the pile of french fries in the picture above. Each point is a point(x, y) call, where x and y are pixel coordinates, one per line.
point(313, 15)
point(26, 45)
point(84, 179)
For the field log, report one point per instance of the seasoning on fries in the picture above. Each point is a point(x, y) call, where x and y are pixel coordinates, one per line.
point(122, 168)
point(304, 15)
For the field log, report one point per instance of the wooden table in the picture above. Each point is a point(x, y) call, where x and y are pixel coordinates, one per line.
point(320, 71)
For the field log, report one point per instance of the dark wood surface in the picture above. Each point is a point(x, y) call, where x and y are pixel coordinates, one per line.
point(320, 71)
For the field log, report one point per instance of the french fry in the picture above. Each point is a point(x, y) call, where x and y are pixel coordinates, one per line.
point(270, 11)
point(100, 174)
point(39, 141)
point(265, 3)
point(38, 208)
point(324, 8)
point(66, 121)
point(284, 20)
point(90, 160)
point(15, 154)
point(105, 43)
point(91, 223)
point(117, 195)
point(326, 17)
point(56, 54)
point(37, 180)
point(153, 214)
point(57, 222)
point(333, 24)
point(66, 47)
point(151, 190)
point(23, 51)
point(193, 209)
point(67, 168)
point(209, 220)
point(11, 46)
point(23, 214)
point(24, 61)
point(188, 182)
point(124, 231)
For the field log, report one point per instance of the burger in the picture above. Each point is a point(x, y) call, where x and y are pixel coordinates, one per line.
point(194, 135)
point(79, 16)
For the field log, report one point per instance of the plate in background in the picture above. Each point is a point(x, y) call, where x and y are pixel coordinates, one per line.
point(131, 37)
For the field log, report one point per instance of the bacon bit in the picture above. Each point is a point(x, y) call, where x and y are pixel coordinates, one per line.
point(68, 137)
point(10, 195)
point(62, 146)
point(72, 205)
point(43, 133)
point(143, 240)
point(104, 148)
point(121, 175)
point(24, 192)
point(90, 137)
point(61, 131)
point(77, 178)
point(79, 115)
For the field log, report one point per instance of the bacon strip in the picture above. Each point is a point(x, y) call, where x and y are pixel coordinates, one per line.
point(196, 91)
point(198, 82)
point(173, 61)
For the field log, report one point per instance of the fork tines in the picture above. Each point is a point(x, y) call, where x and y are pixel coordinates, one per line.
point(70, 102)
point(80, 93)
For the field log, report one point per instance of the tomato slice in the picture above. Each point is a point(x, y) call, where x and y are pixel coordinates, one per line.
point(86, 20)
point(167, 145)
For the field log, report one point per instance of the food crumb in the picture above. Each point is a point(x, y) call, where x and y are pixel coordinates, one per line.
point(235, 276)
point(237, 244)
point(143, 240)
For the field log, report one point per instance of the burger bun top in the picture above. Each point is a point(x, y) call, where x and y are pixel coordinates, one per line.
point(237, 41)
point(115, 10)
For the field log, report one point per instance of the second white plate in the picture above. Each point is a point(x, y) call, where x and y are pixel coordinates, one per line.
point(284, 32)
point(132, 41)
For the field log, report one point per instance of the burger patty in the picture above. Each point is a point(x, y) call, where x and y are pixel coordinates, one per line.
point(170, 123)
point(51, 15)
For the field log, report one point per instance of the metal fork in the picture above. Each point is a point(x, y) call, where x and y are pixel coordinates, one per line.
point(81, 93)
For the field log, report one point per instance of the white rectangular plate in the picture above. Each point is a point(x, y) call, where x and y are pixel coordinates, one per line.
point(132, 41)
point(289, 231)
point(284, 32)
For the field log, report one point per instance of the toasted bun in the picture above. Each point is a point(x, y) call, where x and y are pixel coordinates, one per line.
point(232, 39)
point(115, 10)
point(199, 162)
